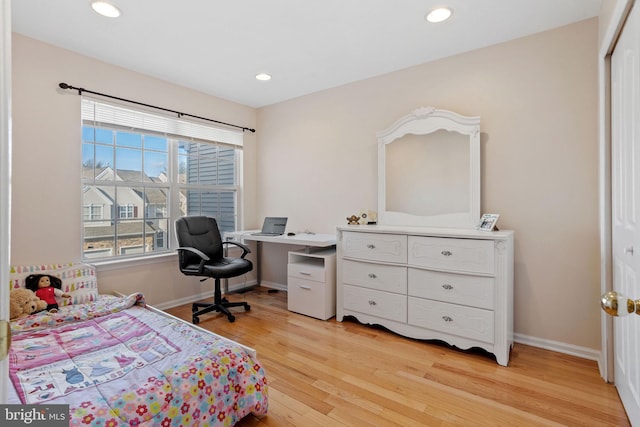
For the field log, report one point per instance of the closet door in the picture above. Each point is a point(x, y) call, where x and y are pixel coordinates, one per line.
point(625, 153)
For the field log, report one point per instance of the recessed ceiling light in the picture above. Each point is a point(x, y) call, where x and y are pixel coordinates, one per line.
point(263, 77)
point(438, 15)
point(105, 9)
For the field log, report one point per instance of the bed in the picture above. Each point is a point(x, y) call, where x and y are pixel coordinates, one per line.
point(117, 362)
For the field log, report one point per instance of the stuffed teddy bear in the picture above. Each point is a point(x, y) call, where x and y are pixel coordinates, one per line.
point(47, 288)
point(353, 220)
point(23, 302)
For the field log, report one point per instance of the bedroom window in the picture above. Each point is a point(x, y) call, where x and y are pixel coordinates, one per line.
point(142, 171)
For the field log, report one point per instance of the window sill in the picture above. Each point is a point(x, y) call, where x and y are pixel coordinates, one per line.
point(107, 265)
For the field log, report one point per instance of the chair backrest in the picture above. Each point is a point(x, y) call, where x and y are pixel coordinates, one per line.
point(202, 233)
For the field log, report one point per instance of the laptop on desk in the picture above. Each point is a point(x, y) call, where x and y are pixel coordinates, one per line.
point(272, 226)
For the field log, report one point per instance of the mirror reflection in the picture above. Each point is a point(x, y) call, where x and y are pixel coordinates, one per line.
point(428, 174)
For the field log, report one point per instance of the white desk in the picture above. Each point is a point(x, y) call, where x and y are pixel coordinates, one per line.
point(308, 240)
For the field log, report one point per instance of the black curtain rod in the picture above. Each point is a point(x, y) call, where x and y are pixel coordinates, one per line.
point(80, 90)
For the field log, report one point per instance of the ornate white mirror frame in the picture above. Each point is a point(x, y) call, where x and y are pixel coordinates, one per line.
point(426, 121)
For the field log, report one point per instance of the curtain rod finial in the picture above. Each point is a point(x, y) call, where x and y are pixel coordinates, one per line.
point(66, 86)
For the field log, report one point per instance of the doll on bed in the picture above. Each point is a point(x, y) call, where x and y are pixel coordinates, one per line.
point(47, 288)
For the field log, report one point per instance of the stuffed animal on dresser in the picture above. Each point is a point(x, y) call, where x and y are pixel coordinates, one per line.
point(353, 220)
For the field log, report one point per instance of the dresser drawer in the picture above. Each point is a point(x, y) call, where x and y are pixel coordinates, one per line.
point(466, 255)
point(468, 322)
point(390, 278)
point(306, 271)
point(375, 247)
point(376, 303)
point(474, 291)
point(311, 298)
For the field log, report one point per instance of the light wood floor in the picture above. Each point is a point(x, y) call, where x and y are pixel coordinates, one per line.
point(328, 373)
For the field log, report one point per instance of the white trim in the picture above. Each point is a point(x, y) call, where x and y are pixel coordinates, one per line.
point(186, 300)
point(273, 285)
point(620, 12)
point(204, 295)
point(559, 347)
point(5, 176)
point(122, 263)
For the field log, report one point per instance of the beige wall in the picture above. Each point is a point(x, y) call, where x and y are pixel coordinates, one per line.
point(537, 98)
point(46, 194)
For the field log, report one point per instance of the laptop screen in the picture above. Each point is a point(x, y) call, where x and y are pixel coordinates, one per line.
point(274, 225)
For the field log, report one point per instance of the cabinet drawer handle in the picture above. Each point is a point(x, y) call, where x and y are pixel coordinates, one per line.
point(447, 319)
point(372, 276)
point(372, 302)
point(446, 253)
point(305, 287)
point(447, 286)
point(304, 273)
point(371, 246)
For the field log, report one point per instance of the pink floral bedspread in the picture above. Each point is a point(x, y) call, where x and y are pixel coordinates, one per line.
point(117, 363)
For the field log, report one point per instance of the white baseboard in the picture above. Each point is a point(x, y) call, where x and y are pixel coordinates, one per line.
point(210, 294)
point(241, 286)
point(185, 300)
point(560, 347)
point(273, 285)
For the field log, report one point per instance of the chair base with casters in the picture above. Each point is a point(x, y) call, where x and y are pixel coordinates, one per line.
point(220, 305)
point(201, 253)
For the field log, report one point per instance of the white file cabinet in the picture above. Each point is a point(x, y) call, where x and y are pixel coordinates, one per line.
point(311, 283)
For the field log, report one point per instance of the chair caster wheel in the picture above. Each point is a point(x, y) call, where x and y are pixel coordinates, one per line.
point(232, 319)
point(195, 320)
point(247, 307)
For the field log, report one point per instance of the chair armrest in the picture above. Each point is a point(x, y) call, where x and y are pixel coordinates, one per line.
point(195, 251)
point(245, 248)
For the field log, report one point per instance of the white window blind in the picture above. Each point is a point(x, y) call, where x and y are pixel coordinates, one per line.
point(99, 112)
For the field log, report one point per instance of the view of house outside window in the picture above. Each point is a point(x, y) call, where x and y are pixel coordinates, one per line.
point(136, 183)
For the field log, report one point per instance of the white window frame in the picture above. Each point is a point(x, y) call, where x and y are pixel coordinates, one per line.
point(95, 211)
point(98, 113)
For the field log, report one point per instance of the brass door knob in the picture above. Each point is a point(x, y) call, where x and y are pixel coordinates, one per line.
point(5, 338)
point(615, 304)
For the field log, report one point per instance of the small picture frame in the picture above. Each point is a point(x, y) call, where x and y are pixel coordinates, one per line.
point(488, 222)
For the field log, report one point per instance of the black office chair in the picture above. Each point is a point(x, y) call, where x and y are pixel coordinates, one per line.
point(201, 253)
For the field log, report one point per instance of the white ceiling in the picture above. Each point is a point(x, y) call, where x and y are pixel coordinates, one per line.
point(218, 47)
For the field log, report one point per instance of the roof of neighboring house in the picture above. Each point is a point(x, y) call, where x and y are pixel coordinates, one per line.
point(156, 196)
point(153, 195)
point(125, 228)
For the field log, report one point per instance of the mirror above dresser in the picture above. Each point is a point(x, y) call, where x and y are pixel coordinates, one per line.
point(429, 170)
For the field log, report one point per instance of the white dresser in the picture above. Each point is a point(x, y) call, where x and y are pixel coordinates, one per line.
point(454, 285)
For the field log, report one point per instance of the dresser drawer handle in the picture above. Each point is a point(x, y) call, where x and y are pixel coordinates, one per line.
point(305, 273)
point(372, 302)
point(446, 253)
point(371, 246)
point(447, 286)
point(305, 287)
point(372, 276)
point(447, 319)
